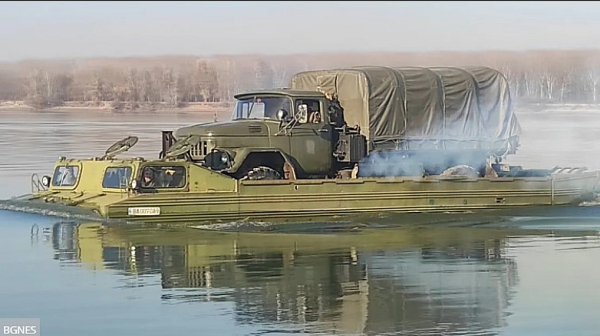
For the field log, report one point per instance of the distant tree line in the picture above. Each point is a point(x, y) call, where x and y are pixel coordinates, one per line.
point(175, 86)
point(534, 77)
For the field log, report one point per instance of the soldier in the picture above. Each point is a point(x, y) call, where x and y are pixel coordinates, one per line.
point(148, 178)
point(315, 117)
point(68, 178)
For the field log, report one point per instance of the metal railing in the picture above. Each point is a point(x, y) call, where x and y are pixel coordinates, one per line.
point(36, 184)
point(124, 186)
point(567, 170)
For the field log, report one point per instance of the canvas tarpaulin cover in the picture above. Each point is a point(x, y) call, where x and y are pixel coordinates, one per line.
point(422, 108)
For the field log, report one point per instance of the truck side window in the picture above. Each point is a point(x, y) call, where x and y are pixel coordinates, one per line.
point(116, 177)
point(314, 114)
point(163, 177)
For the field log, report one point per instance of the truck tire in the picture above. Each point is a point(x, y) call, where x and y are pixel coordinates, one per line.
point(262, 173)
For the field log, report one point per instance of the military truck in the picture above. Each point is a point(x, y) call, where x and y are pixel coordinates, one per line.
point(370, 121)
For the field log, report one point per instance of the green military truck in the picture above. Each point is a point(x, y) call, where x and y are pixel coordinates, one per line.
point(362, 121)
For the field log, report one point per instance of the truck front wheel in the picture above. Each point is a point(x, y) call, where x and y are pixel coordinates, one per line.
point(261, 173)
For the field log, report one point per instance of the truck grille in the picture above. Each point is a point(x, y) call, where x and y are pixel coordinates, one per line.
point(199, 151)
point(254, 129)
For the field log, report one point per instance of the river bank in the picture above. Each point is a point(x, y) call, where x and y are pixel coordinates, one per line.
point(204, 107)
point(220, 107)
point(556, 107)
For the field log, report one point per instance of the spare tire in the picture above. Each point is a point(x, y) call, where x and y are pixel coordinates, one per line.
point(461, 170)
point(262, 173)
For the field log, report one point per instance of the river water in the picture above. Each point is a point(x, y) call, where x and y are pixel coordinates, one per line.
point(519, 274)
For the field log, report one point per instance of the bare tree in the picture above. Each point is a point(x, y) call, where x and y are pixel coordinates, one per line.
point(541, 76)
point(593, 75)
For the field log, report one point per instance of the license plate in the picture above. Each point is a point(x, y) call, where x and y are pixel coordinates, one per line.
point(143, 211)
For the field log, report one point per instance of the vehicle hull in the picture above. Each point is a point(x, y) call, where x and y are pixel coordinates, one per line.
point(319, 199)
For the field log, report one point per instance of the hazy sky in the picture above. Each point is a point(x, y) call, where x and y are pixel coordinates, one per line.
point(115, 29)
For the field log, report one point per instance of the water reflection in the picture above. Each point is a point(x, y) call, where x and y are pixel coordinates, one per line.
point(410, 279)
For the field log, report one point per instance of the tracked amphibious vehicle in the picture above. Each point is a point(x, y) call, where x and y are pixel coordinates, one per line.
point(338, 142)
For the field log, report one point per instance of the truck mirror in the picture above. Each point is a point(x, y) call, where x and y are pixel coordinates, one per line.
point(302, 114)
point(282, 114)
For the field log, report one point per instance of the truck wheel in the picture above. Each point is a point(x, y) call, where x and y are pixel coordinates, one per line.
point(262, 173)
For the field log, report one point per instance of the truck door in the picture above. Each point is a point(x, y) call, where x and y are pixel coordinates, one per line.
point(311, 139)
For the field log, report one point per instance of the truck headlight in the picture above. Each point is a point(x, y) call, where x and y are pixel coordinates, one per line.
point(218, 159)
point(224, 158)
point(46, 181)
point(134, 184)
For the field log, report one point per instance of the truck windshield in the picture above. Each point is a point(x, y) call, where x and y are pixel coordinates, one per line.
point(116, 177)
point(260, 107)
point(65, 176)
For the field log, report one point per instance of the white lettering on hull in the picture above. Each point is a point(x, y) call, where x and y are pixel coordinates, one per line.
point(143, 211)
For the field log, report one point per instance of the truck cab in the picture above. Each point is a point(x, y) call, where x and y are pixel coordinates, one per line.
point(271, 134)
